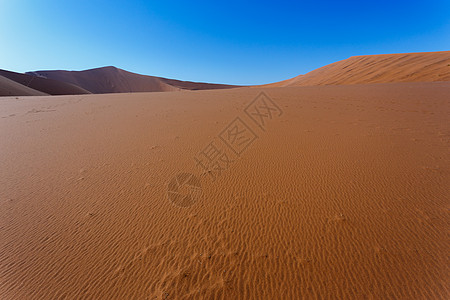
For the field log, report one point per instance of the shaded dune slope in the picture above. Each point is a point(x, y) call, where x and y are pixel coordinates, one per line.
point(9, 87)
point(114, 80)
point(47, 86)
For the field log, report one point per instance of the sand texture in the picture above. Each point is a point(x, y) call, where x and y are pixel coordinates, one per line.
point(342, 194)
point(404, 67)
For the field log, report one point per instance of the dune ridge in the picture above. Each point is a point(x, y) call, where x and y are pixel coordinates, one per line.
point(114, 80)
point(382, 68)
point(10, 87)
point(47, 86)
point(365, 69)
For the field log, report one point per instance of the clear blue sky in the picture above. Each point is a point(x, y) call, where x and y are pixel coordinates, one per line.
point(236, 42)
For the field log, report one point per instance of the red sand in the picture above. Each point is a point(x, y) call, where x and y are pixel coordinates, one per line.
point(114, 80)
point(43, 85)
point(10, 87)
point(405, 67)
point(345, 195)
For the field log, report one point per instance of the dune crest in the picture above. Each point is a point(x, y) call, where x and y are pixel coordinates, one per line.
point(383, 68)
point(114, 80)
point(44, 85)
point(10, 87)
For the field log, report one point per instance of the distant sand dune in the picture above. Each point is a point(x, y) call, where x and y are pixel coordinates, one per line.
point(10, 87)
point(386, 68)
point(408, 67)
point(114, 80)
point(48, 86)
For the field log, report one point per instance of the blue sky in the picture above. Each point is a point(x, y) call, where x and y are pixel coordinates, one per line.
point(234, 42)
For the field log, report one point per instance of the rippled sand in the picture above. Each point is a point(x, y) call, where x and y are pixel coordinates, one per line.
point(343, 193)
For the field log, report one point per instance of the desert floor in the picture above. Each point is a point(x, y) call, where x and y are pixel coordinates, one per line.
point(343, 192)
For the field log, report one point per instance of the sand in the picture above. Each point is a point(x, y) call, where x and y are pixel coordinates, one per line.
point(10, 87)
point(94, 81)
point(383, 68)
point(367, 69)
point(44, 85)
point(114, 80)
point(344, 194)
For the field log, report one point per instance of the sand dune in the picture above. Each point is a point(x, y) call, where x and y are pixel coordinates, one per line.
point(9, 87)
point(342, 196)
point(409, 67)
point(48, 86)
point(114, 80)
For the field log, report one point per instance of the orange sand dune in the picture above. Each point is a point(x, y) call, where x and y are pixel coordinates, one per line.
point(408, 67)
point(47, 86)
point(114, 80)
point(343, 195)
point(9, 87)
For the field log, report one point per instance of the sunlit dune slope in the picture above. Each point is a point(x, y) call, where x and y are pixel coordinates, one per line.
point(408, 67)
